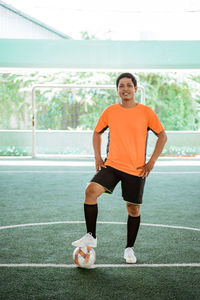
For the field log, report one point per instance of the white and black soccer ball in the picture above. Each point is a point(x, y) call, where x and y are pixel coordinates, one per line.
point(84, 257)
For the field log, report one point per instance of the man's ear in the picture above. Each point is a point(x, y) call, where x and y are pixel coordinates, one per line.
point(136, 88)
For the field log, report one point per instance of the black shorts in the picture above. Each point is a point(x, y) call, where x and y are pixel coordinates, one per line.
point(132, 186)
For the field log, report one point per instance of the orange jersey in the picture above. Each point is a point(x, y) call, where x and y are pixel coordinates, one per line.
point(128, 131)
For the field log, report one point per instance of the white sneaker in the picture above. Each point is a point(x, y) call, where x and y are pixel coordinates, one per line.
point(86, 240)
point(129, 256)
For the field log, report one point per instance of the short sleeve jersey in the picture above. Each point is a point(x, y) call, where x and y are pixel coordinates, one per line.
point(128, 131)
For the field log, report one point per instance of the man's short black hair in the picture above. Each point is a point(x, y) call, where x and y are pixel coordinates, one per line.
point(127, 75)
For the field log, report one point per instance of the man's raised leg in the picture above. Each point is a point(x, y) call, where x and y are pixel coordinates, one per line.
point(92, 192)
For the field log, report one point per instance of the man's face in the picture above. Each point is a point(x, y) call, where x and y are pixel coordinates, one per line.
point(126, 89)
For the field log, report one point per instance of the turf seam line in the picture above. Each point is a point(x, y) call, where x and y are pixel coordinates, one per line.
point(99, 222)
point(101, 265)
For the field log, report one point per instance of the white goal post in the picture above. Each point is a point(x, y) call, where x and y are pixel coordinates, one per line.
point(65, 86)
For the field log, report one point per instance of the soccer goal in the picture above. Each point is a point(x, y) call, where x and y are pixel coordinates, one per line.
point(64, 115)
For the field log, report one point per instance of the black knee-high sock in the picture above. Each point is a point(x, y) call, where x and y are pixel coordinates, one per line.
point(91, 212)
point(133, 225)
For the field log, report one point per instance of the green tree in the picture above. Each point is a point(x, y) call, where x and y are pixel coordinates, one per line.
point(11, 102)
point(176, 100)
point(172, 99)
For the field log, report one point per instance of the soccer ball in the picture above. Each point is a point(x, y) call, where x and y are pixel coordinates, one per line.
point(84, 257)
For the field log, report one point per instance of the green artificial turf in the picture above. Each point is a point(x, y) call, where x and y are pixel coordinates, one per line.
point(108, 283)
point(169, 199)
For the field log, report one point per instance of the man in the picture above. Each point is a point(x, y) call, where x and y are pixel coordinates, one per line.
point(128, 124)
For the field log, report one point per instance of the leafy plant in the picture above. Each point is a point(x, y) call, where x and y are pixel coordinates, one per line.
point(13, 151)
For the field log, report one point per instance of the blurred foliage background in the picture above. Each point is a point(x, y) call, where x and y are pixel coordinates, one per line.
point(174, 96)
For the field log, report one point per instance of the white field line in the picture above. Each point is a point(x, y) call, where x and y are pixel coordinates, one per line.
point(48, 163)
point(99, 222)
point(177, 172)
point(81, 172)
point(47, 172)
point(90, 163)
point(69, 266)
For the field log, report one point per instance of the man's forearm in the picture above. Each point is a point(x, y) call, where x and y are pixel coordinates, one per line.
point(97, 144)
point(146, 169)
point(161, 141)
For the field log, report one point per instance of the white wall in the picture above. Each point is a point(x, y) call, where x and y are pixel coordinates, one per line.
point(13, 26)
point(74, 142)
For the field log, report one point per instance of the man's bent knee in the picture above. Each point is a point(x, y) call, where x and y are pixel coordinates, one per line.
point(92, 192)
point(133, 210)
